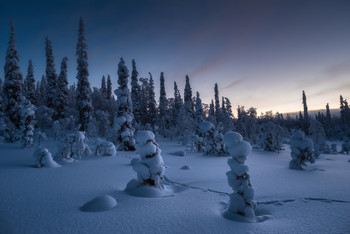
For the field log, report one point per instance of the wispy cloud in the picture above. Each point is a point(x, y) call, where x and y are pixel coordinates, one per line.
point(234, 84)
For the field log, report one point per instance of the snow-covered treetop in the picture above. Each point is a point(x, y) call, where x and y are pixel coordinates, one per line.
point(123, 74)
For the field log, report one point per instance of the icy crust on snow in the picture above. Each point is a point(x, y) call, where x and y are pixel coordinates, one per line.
point(149, 168)
point(98, 204)
point(242, 203)
point(43, 158)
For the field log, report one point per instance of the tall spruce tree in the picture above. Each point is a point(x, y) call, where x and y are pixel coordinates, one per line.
point(43, 91)
point(163, 106)
point(83, 98)
point(199, 110)
point(103, 88)
point(218, 113)
point(123, 118)
point(306, 121)
point(51, 75)
point(61, 99)
point(152, 105)
point(109, 88)
point(29, 84)
point(135, 95)
point(13, 83)
point(188, 102)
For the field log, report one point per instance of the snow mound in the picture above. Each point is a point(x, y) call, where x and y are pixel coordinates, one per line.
point(134, 161)
point(134, 188)
point(143, 137)
point(106, 148)
point(186, 167)
point(43, 158)
point(205, 126)
point(101, 203)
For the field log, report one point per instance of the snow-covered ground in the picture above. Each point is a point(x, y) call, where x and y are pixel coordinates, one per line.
point(51, 200)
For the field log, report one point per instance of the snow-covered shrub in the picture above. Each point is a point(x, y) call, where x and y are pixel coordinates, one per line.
point(106, 148)
point(271, 139)
point(40, 136)
point(212, 139)
point(334, 149)
point(345, 147)
point(10, 130)
point(27, 116)
point(43, 158)
point(242, 199)
point(301, 151)
point(73, 146)
point(327, 149)
point(318, 137)
point(150, 169)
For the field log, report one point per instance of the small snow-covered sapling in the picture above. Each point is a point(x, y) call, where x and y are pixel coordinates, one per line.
point(150, 169)
point(301, 151)
point(43, 158)
point(242, 199)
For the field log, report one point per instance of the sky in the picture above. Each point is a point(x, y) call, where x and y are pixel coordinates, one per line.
point(262, 53)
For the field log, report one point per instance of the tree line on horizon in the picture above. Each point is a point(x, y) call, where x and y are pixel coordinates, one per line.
point(53, 106)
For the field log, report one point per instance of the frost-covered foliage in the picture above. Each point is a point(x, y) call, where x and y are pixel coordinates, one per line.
point(102, 122)
point(272, 136)
point(51, 75)
point(73, 146)
point(103, 88)
point(150, 169)
point(135, 92)
point(27, 117)
point(29, 84)
point(318, 137)
point(109, 88)
point(13, 83)
point(40, 136)
point(151, 104)
point(188, 102)
point(163, 107)
point(106, 148)
point(210, 138)
point(43, 116)
point(301, 151)
point(242, 199)
point(10, 130)
point(123, 128)
point(218, 111)
point(43, 158)
point(83, 98)
point(61, 98)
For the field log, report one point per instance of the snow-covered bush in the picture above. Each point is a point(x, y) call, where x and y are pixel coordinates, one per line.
point(242, 199)
point(345, 147)
point(212, 139)
point(73, 146)
point(318, 137)
point(43, 158)
point(271, 139)
point(106, 148)
point(150, 169)
point(301, 151)
point(27, 116)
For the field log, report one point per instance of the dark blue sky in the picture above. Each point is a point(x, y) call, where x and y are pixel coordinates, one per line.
point(261, 53)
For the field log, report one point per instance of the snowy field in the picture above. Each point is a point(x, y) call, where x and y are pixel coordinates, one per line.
point(50, 200)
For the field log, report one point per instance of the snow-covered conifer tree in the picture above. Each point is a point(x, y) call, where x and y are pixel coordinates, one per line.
point(212, 139)
point(29, 84)
point(83, 98)
point(199, 114)
point(0, 87)
point(123, 118)
point(242, 199)
point(271, 139)
point(152, 105)
point(188, 102)
point(43, 92)
point(103, 123)
point(109, 87)
point(27, 117)
point(218, 112)
point(103, 89)
point(61, 98)
point(301, 151)
point(211, 114)
point(51, 75)
point(318, 137)
point(135, 93)
point(13, 83)
point(163, 106)
point(150, 168)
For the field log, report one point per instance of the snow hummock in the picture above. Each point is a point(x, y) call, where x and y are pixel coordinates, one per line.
point(101, 203)
point(43, 158)
point(186, 167)
point(106, 148)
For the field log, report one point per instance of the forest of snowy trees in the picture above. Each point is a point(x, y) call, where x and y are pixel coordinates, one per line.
point(31, 108)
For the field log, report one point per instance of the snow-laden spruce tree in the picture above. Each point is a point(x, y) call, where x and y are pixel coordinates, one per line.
point(29, 84)
point(211, 138)
point(43, 158)
point(109, 88)
point(83, 99)
point(318, 137)
point(1, 83)
point(123, 120)
point(271, 138)
point(13, 83)
point(103, 89)
point(163, 107)
point(188, 102)
point(152, 104)
point(61, 98)
point(42, 99)
point(27, 117)
point(150, 168)
point(73, 146)
point(218, 110)
point(135, 95)
point(301, 151)
point(242, 199)
point(51, 75)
